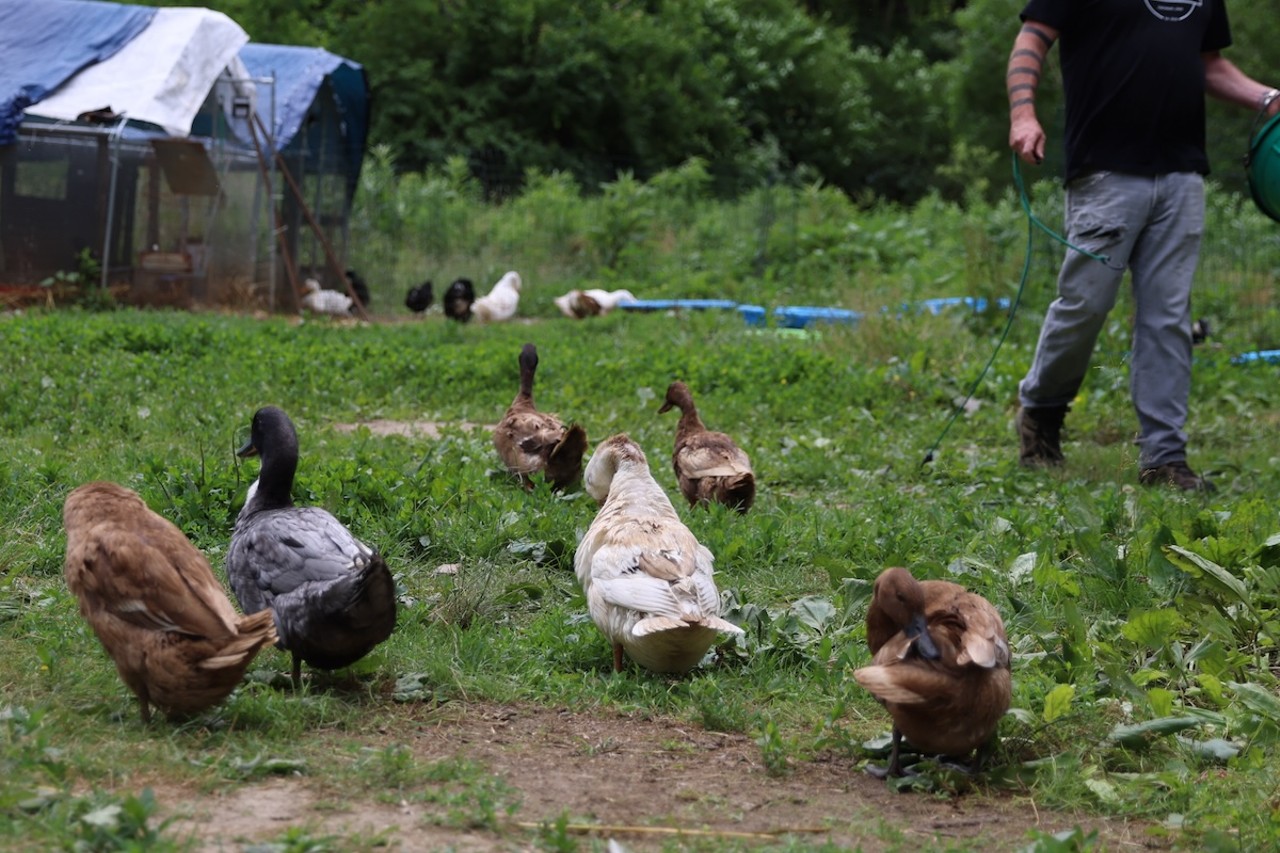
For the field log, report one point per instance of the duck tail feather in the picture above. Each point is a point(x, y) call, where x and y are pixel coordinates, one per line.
point(655, 624)
point(374, 593)
point(740, 491)
point(356, 601)
point(253, 632)
point(564, 464)
point(884, 686)
point(721, 625)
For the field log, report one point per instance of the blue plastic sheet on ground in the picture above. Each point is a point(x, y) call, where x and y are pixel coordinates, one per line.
point(679, 304)
point(800, 317)
point(1269, 356)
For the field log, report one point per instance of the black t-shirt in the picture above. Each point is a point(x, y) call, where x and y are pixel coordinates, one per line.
point(1134, 80)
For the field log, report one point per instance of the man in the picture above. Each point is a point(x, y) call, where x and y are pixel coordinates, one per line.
point(1135, 75)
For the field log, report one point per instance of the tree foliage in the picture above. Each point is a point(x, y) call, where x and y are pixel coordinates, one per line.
point(889, 99)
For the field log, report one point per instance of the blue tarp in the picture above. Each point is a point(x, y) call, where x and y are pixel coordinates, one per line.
point(299, 73)
point(43, 44)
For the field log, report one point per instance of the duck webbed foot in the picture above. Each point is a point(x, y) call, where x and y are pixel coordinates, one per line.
point(964, 768)
point(894, 767)
point(979, 760)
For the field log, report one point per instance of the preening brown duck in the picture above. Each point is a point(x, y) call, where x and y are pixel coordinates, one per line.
point(155, 604)
point(531, 442)
point(647, 579)
point(709, 465)
point(940, 665)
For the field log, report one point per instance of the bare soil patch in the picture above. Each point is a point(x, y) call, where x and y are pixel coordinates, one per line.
point(642, 778)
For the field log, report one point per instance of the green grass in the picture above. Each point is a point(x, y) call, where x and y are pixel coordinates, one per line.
point(1110, 623)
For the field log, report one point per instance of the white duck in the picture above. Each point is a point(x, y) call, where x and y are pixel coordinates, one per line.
point(320, 301)
point(333, 597)
point(500, 303)
point(591, 302)
point(647, 579)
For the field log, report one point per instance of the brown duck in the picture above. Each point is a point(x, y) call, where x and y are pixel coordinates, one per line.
point(155, 604)
point(940, 665)
point(530, 441)
point(709, 466)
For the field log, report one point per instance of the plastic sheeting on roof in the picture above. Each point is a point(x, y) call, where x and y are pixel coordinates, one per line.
point(46, 43)
point(162, 76)
point(299, 73)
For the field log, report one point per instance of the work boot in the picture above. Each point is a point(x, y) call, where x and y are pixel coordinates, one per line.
point(1177, 474)
point(1040, 436)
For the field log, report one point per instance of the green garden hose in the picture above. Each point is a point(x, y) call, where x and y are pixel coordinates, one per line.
point(1033, 222)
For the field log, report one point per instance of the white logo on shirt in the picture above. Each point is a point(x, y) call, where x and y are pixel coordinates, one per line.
point(1173, 10)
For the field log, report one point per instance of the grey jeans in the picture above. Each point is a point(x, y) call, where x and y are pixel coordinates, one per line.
point(1152, 227)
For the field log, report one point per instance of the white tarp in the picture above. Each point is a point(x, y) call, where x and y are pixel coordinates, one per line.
point(163, 76)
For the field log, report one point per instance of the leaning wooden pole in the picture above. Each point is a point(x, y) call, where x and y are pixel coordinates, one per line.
point(281, 240)
point(334, 263)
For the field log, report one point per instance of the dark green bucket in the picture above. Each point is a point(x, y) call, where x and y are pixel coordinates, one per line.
point(1263, 167)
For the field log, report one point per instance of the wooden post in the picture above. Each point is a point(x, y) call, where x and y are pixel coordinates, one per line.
point(315, 226)
point(283, 243)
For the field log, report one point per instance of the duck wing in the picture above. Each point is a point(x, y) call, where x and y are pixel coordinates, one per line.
point(330, 624)
point(983, 642)
point(333, 596)
point(901, 685)
point(669, 583)
point(155, 580)
point(276, 551)
point(525, 440)
point(711, 454)
point(970, 622)
point(564, 462)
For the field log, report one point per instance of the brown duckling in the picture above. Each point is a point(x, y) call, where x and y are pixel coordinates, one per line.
point(709, 466)
point(155, 604)
point(529, 441)
point(940, 665)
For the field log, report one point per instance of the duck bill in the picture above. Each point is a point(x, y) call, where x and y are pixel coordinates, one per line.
point(666, 407)
point(247, 450)
point(918, 629)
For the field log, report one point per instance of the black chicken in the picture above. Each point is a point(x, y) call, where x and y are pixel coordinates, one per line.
point(359, 287)
point(418, 299)
point(458, 299)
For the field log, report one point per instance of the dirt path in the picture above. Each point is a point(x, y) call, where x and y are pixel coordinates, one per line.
point(644, 777)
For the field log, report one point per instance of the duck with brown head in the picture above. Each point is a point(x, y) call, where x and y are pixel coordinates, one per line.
point(530, 442)
point(940, 665)
point(155, 604)
point(709, 466)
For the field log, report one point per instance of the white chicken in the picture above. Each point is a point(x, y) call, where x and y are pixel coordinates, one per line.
point(321, 301)
point(501, 302)
point(647, 579)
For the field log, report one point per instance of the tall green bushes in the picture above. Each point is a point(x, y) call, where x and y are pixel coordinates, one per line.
point(883, 99)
